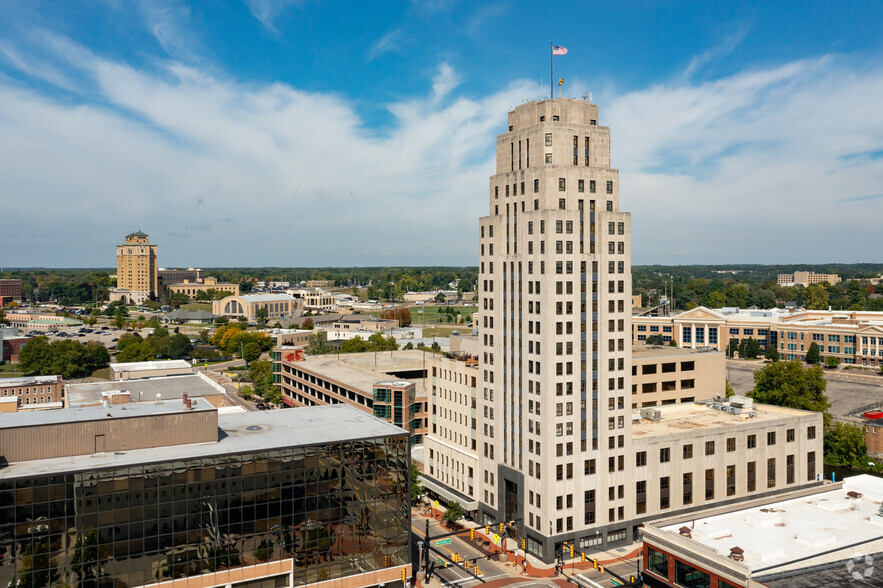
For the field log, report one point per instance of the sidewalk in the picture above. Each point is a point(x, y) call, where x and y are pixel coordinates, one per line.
point(532, 567)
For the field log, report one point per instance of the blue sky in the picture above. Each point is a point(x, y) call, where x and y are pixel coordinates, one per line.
point(299, 132)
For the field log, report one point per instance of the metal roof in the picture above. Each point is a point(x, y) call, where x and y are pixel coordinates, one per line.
point(240, 433)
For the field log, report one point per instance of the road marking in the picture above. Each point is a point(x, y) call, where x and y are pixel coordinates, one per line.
point(589, 581)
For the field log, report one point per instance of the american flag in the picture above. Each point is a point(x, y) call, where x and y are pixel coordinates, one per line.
point(556, 50)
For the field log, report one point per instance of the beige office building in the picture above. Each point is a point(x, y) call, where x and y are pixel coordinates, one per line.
point(668, 375)
point(136, 270)
point(558, 447)
point(807, 279)
point(853, 337)
point(278, 306)
point(191, 289)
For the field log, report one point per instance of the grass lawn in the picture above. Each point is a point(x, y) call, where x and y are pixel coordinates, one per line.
point(103, 373)
point(10, 370)
point(443, 331)
point(435, 314)
point(206, 306)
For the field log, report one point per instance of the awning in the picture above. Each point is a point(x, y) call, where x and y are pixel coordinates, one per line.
point(449, 493)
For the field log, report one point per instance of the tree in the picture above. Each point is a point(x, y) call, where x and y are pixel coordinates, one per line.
point(728, 389)
point(772, 353)
point(68, 359)
point(733, 347)
point(454, 513)
point(318, 345)
point(178, 346)
point(246, 391)
point(436, 347)
point(788, 383)
point(816, 297)
point(831, 362)
point(440, 297)
point(261, 317)
point(251, 352)
point(416, 489)
point(845, 445)
point(246, 286)
point(752, 348)
point(176, 299)
point(812, 354)
point(243, 321)
point(409, 346)
point(221, 320)
point(307, 325)
point(403, 315)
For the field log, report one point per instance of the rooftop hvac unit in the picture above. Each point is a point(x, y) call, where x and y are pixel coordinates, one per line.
point(651, 414)
point(735, 410)
point(714, 405)
point(741, 401)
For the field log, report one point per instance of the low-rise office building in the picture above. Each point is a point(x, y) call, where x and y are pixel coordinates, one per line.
point(192, 288)
point(853, 337)
point(149, 369)
point(278, 306)
point(807, 279)
point(172, 493)
point(671, 375)
point(315, 299)
point(33, 391)
point(358, 379)
point(820, 536)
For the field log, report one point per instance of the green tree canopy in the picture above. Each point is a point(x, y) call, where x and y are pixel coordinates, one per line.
point(454, 513)
point(845, 446)
point(788, 383)
point(66, 358)
point(772, 353)
point(812, 354)
point(416, 489)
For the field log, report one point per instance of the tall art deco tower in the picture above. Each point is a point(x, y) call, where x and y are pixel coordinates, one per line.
point(555, 284)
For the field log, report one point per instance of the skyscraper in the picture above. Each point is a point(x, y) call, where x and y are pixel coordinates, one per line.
point(136, 270)
point(555, 287)
point(543, 431)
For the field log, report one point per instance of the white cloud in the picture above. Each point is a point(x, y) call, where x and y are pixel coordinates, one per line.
point(390, 42)
point(299, 177)
point(753, 167)
point(775, 164)
point(267, 11)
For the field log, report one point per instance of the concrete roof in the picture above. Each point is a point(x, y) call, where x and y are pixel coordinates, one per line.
point(775, 534)
point(358, 369)
point(135, 366)
point(97, 413)
point(293, 427)
point(27, 381)
point(661, 351)
point(686, 417)
point(170, 387)
point(265, 297)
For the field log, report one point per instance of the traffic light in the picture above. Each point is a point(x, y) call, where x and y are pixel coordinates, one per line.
point(523, 543)
point(601, 569)
point(595, 563)
point(386, 561)
point(475, 570)
point(472, 534)
point(487, 530)
point(404, 576)
point(571, 551)
point(632, 579)
point(501, 528)
point(582, 556)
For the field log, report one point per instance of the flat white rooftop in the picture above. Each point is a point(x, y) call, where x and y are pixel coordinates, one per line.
point(681, 418)
point(777, 534)
point(135, 366)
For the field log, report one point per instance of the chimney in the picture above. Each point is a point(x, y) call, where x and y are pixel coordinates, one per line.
point(187, 404)
point(685, 532)
point(737, 553)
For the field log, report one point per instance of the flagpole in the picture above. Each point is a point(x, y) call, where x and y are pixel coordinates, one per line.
point(551, 70)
